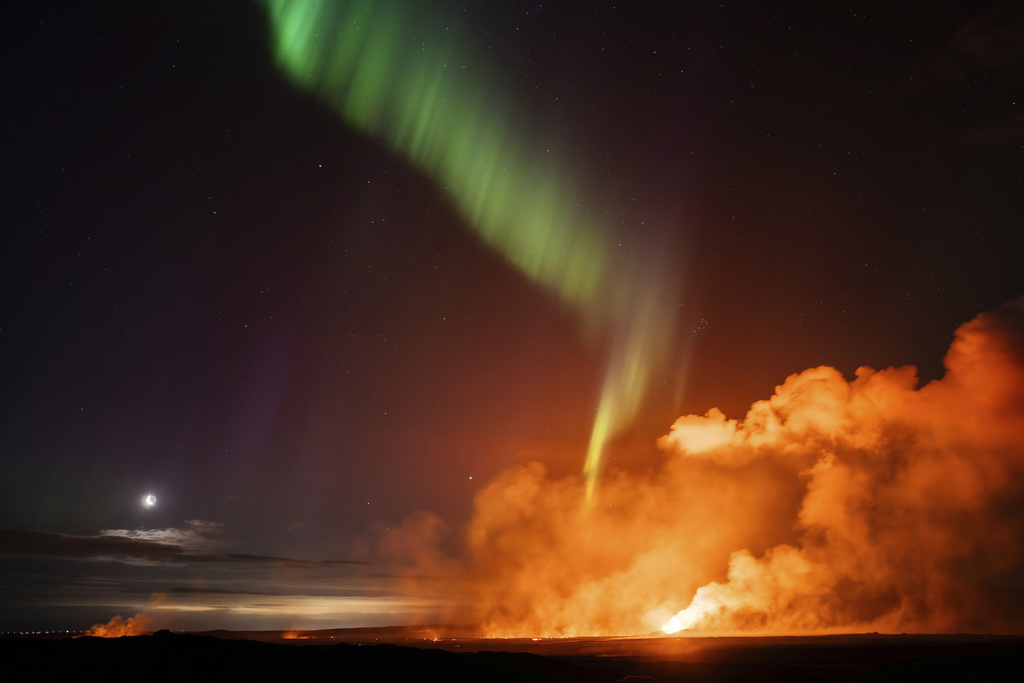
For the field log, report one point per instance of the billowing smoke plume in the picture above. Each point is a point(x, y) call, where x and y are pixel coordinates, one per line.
point(139, 625)
point(838, 505)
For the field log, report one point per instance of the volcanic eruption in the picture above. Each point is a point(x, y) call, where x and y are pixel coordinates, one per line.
point(836, 504)
point(868, 504)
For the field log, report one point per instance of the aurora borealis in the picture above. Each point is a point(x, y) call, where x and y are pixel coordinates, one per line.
point(407, 74)
point(355, 290)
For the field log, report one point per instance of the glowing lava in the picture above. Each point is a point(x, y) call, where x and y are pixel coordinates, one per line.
point(698, 610)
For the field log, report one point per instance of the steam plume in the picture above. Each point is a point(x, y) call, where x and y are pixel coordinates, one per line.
point(834, 505)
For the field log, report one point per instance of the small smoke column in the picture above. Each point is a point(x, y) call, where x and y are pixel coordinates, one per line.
point(835, 505)
point(139, 625)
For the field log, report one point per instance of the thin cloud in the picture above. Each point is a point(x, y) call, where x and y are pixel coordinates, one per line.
point(197, 535)
point(154, 547)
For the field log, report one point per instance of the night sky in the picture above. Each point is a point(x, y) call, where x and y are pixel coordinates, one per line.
point(220, 292)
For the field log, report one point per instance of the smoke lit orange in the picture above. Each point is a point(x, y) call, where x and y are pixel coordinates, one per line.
point(117, 627)
point(868, 504)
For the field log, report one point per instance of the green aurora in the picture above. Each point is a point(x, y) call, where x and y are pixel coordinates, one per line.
point(397, 72)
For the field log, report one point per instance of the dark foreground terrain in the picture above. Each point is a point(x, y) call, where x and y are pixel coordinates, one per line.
point(168, 656)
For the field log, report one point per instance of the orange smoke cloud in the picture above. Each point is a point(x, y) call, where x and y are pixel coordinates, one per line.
point(139, 625)
point(297, 635)
point(834, 505)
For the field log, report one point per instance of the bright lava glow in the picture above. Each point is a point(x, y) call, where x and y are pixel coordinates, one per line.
point(698, 610)
point(406, 76)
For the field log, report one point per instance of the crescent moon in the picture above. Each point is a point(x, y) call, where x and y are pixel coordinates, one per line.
point(149, 500)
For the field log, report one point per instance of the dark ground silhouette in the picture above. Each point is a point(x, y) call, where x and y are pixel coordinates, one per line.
point(170, 656)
